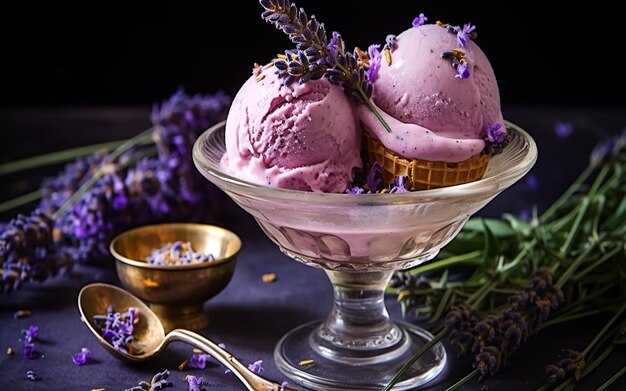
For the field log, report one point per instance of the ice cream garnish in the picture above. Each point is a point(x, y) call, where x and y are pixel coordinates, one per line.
point(463, 34)
point(459, 62)
point(373, 181)
point(419, 20)
point(390, 44)
point(496, 138)
point(373, 52)
point(315, 56)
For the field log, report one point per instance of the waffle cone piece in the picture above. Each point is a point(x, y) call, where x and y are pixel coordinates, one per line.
point(423, 174)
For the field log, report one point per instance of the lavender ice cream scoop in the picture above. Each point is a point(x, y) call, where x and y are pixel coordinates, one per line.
point(437, 112)
point(297, 136)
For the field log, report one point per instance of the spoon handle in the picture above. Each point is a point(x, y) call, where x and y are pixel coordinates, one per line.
point(250, 379)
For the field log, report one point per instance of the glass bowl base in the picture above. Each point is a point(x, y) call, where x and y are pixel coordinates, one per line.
point(293, 355)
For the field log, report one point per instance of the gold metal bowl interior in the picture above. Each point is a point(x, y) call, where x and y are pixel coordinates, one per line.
point(176, 293)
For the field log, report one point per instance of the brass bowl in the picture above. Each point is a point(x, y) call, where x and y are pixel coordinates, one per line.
point(176, 293)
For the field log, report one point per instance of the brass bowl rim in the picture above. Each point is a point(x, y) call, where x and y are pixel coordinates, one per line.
point(145, 265)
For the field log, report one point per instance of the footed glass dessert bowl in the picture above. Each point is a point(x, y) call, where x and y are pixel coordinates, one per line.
point(359, 241)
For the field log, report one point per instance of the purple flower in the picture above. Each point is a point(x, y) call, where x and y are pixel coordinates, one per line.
point(398, 185)
point(375, 56)
point(464, 35)
point(333, 49)
point(496, 138)
point(462, 71)
point(419, 20)
point(198, 360)
point(532, 182)
point(563, 129)
point(525, 214)
point(195, 383)
point(496, 133)
point(372, 181)
point(256, 367)
point(30, 334)
point(81, 357)
point(30, 352)
point(283, 385)
point(117, 328)
point(355, 190)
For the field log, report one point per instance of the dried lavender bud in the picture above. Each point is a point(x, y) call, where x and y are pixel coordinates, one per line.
point(58, 189)
point(496, 138)
point(256, 367)
point(198, 360)
point(177, 253)
point(572, 362)
point(499, 336)
point(117, 329)
point(157, 383)
point(81, 357)
point(27, 251)
point(29, 337)
point(22, 314)
point(371, 184)
point(315, 56)
point(461, 320)
point(195, 383)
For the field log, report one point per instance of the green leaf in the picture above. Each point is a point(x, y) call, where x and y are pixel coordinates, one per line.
point(518, 225)
point(490, 256)
point(498, 228)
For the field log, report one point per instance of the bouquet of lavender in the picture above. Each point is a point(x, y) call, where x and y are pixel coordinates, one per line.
point(501, 281)
point(149, 178)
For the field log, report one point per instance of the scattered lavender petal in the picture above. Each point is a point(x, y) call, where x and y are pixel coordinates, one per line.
point(30, 352)
point(256, 367)
point(198, 360)
point(177, 253)
point(195, 383)
point(81, 357)
point(464, 35)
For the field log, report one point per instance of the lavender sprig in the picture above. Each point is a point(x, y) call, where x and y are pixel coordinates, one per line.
point(28, 252)
point(496, 138)
point(100, 195)
point(499, 336)
point(586, 259)
point(315, 56)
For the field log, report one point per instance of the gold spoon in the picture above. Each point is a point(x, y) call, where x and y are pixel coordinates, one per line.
point(94, 299)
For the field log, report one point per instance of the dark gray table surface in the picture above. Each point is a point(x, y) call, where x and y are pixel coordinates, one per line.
point(250, 316)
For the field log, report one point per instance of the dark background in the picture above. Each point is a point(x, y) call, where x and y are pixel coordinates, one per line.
point(114, 53)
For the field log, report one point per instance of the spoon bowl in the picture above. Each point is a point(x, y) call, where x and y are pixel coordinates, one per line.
point(95, 299)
